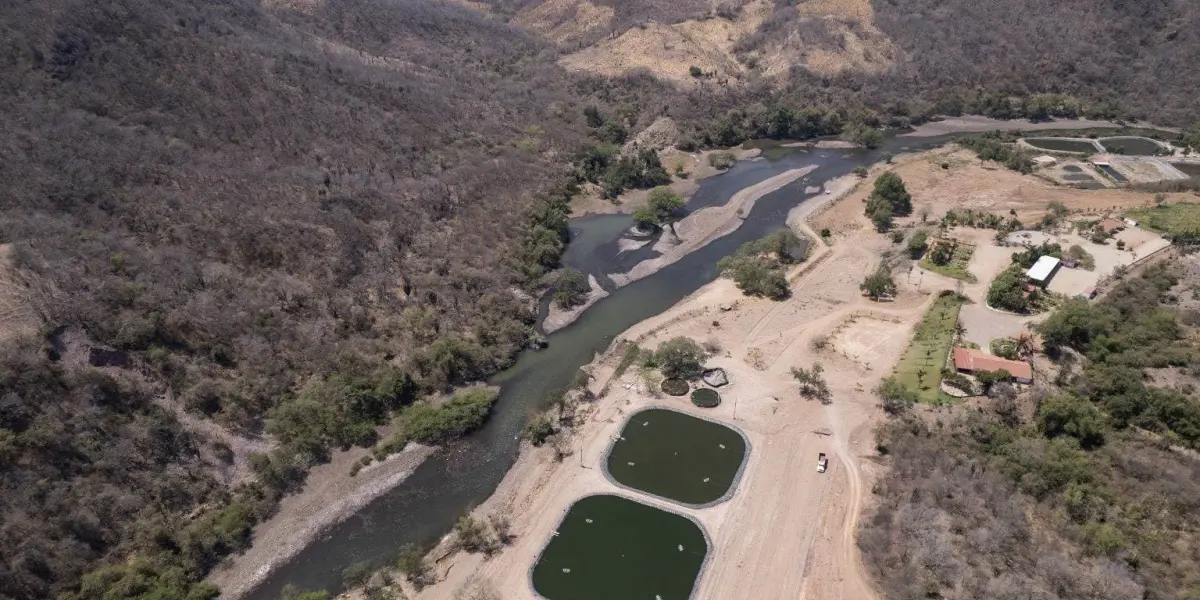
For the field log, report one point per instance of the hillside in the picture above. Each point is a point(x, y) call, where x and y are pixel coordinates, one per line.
point(238, 235)
point(1135, 59)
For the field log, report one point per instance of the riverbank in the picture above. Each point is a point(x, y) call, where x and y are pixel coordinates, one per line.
point(330, 496)
point(705, 225)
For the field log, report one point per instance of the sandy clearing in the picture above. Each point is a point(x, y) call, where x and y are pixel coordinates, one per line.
point(330, 496)
point(707, 224)
point(977, 124)
point(557, 318)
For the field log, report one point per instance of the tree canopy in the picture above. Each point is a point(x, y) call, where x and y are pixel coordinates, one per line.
point(680, 358)
point(662, 206)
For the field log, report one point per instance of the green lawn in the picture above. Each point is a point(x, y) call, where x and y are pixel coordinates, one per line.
point(929, 349)
point(957, 268)
point(1171, 219)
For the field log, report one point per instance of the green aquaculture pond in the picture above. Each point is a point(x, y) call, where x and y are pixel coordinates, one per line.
point(677, 456)
point(610, 548)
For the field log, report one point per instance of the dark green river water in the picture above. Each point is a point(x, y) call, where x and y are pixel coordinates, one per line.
point(425, 506)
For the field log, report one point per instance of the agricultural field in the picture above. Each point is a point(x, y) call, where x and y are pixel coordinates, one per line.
point(957, 267)
point(1173, 220)
point(920, 369)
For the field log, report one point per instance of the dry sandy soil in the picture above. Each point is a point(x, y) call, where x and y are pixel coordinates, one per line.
point(968, 182)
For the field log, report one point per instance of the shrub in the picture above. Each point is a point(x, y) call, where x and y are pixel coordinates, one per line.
point(572, 288)
point(879, 284)
point(472, 535)
point(1007, 291)
point(695, 71)
point(662, 207)
point(680, 358)
point(465, 411)
point(896, 398)
point(675, 387)
point(863, 135)
point(916, 244)
point(722, 160)
point(356, 574)
point(538, 430)
point(411, 562)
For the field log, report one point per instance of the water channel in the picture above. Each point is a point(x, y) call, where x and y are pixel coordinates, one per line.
point(444, 487)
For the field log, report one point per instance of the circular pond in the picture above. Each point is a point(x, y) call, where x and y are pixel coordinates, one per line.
point(706, 398)
point(675, 387)
point(676, 456)
point(610, 547)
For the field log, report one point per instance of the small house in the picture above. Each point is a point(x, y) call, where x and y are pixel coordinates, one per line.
point(970, 360)
point(1042, 270)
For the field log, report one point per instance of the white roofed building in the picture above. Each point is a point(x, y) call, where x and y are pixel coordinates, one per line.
point(1042, 270)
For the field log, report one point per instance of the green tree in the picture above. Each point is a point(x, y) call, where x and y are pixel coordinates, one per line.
point(572, 288)
point(889, 187)
point(863, 135)
point(539, 430)
point(1007, 290)
point(916, 244)
point(695, 71)
point(879, 284)
point(896, 398)
point(592, 116)
point(881, 216)
point(662, 207)
point(941, 254)
point(1068, 415)
point(411, 562)
point(680, 358)
point(612, 132)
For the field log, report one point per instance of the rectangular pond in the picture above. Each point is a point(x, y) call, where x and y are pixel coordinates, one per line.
point(1189, 169)
point(609, 547)
point(1111, 172)
point(1062, 145)
point(676, 456)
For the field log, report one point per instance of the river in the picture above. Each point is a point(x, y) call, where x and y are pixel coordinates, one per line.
point(444, 487)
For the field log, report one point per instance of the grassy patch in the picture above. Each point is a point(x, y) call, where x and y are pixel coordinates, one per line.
point(1175, 220)
point(920, 369)
point(957, 267)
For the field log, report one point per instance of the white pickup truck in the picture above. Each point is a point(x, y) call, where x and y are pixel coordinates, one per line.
point(822, 463)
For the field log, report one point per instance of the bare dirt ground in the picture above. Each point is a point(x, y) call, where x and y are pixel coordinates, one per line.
point(976, 124)
point(330, 495)
point(707, 224)
point(967, 182)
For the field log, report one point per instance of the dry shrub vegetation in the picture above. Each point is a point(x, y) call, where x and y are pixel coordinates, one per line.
point(300, 223)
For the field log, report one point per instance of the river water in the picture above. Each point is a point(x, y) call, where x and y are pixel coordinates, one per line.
point(444, 487)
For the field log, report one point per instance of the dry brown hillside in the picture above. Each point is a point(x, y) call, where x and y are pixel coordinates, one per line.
point(728, 41)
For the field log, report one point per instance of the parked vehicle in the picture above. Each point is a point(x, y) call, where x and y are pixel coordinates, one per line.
point(822, 463)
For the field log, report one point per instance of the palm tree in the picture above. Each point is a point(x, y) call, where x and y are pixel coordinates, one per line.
point(1026, 345)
